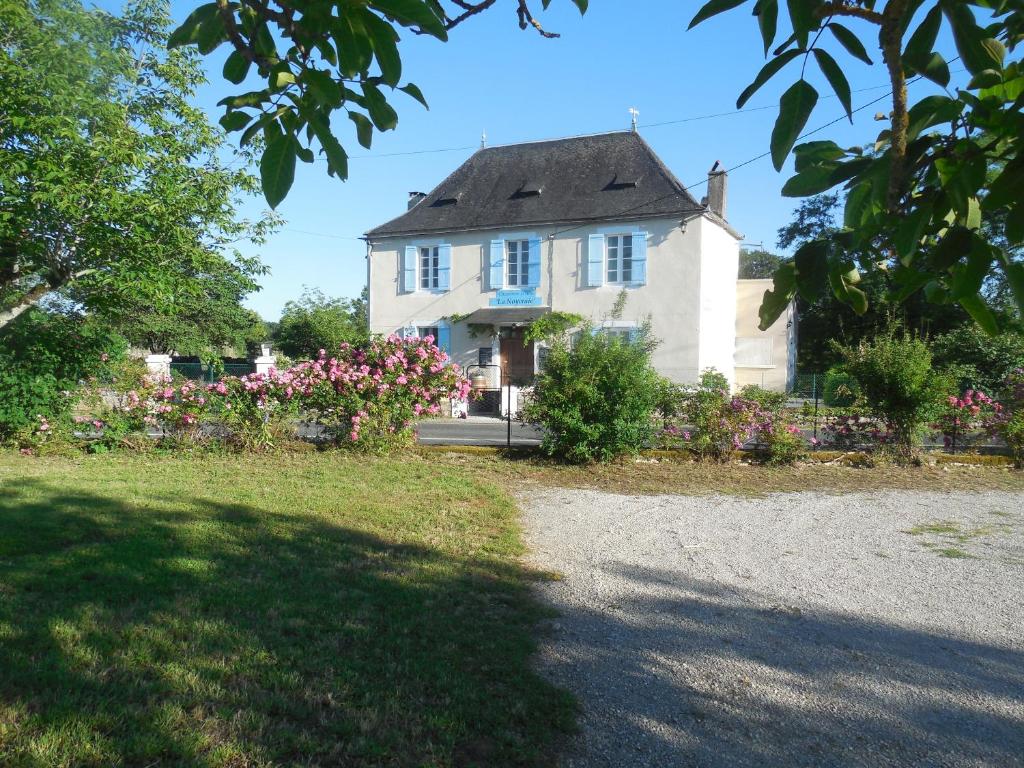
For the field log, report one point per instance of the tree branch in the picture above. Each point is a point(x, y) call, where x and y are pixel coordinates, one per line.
point(845, 9)
point(525, 17)
point(890, 38)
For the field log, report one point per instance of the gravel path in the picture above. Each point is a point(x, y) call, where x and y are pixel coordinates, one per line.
point(882, 629)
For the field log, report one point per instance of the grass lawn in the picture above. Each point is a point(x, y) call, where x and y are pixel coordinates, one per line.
point(302, 609)
point(292, 609)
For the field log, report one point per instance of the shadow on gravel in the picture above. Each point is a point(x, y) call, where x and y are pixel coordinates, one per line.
point(686, 672)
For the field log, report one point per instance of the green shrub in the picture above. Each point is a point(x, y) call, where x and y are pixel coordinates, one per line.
point(894, 374)
point(981, 361)
point(769, 401)
point(1009, 424)
point(840, 389)
point(43, 357)
point(596, 400)
point(783, 444)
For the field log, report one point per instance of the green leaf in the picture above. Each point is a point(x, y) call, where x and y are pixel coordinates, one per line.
point(1014, 271)
point(364, 128)
point(930, 111)
point(980, 312)
point(337, 158)
point(188, 32)
point(411, 13)
point(955, 244)
point(850, 42)
point(977, 50)
point(323, 88)
point(779, 297)
point(811, 181)
point(795, 109)
point(414, 91)
point(813, 152)
point(858, 203)
point(381, 113)
point(236, 67)
point(811, 263)
point(234, 121)
point(250, 99)
point(907, 237)
point(277, 167)
point(968, 277)
point(766, 74)
point(713, 8)
point(922, 43)
point(384, 40)
point(836, 79)
point(934, 68)
point(281, 78)
point(767, 12)
point(803, 19)
point(211, 34)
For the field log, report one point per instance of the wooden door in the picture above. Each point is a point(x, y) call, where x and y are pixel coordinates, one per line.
point(516, 357)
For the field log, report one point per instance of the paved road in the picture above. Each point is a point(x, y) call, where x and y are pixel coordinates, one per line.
point(475, 431)
point(799, 630)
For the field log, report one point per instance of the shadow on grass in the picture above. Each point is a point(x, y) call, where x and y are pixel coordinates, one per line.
point(160, 632)
point(683, 671)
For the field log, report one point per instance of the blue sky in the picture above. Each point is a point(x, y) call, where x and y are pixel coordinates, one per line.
point(516, 86)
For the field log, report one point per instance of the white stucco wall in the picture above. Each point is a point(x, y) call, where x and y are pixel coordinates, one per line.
point(673, 297)
point(777, 373)
point(719, 260)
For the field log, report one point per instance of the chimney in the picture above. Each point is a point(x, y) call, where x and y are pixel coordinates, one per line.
point(414, 199)
point(718, 183)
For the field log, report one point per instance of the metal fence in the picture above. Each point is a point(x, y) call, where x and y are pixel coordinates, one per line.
point(210, 373)
point(808, 386)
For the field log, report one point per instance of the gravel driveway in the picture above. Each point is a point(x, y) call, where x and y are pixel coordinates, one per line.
point(882, 629)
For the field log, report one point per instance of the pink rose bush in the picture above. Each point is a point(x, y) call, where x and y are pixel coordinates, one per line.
point(963, 420)
point(366, 397)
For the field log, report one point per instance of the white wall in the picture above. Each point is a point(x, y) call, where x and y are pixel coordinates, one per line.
point(720, 254)
point(681, 312)
point(778, 372)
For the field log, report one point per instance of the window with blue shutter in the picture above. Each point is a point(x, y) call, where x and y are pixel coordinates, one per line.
point(639, 272)
point(533, 264)
point(496, 264)
point(595, 261)
point(444, 267)
point(444, 338)
point(408, 284)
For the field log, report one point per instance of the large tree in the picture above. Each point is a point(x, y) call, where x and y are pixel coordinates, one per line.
point(920, 196)
point(112, 184)
point(319, 57)
point(316, 322)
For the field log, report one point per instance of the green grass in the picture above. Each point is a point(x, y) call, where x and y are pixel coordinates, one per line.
point(950, 534)
point(224, 611)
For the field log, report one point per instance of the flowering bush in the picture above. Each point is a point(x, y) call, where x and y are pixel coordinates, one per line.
point(1009, 422)
point(853, 431)
point(963, 419)
point(713, 423)
point(366, 397)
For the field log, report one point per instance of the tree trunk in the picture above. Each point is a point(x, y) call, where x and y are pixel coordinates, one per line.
point(23, 304)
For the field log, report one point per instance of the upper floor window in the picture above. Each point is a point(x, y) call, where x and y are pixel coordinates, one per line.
point(517, 271)
point(619, 258)
point(430, 268)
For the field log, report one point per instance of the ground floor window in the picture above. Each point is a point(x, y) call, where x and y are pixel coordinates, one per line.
point(754, 351)
point(427, 330)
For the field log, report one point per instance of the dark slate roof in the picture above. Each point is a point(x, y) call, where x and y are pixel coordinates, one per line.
point(608, 176)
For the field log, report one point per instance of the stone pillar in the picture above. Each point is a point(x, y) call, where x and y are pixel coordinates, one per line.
point(159, 365)
point(264, 363)
point(505, 397)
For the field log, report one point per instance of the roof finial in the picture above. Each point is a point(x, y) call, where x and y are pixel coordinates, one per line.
point(634, 114)
point(483, 139)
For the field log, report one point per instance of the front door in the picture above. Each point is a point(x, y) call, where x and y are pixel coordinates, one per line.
point(516, 357)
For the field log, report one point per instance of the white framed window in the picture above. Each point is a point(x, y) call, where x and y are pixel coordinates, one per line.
point(517, 257)
point(755, 352)
point(430, 268)
point(619, 259)
point(428, 330)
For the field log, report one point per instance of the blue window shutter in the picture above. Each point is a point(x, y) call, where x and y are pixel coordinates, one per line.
point(409, 269)
point(444, 267)
point(634, 335)
point(639, 258)
point(496, 278)
point(444, 337)
point(533, 265)
point(595, 261)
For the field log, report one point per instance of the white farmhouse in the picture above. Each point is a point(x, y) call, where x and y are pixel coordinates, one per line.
point(565, 225)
